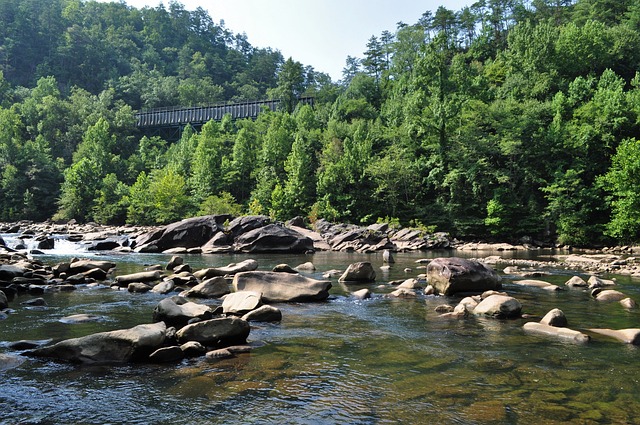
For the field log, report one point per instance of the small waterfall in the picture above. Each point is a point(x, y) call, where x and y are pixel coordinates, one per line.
point(61, 244)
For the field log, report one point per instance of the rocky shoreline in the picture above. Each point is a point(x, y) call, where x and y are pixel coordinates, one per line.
point(258, 234)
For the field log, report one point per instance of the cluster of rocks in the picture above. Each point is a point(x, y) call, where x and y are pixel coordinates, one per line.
point(184, 328)
point(181, 327)
point(223, 233)
point(452, 275)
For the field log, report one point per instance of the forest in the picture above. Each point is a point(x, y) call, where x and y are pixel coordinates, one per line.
point(503, 120)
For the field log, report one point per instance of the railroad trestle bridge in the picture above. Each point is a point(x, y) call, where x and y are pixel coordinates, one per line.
point(169, 122)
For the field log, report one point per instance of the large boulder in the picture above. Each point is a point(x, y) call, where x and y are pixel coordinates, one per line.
point(233, 268)
point(189, 233)
point(177, 311)
point(359, 272)
point(210, 288)
point(273, 238)
point(452, 275)
point(499, 306)
point(282, 287)
point(224, 330)
point(119, 346)
point(244, 224)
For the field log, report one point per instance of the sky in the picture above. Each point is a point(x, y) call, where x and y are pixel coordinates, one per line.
point(320, 33)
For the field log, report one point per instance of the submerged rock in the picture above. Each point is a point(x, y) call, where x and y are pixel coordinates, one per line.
point(531, 283)
point(556, 331)
point(8, 361)
point(628, 336)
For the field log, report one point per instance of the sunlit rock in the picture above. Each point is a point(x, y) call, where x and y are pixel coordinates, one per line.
point(453, 275)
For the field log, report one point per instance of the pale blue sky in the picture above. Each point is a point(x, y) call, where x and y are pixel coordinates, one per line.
point(320, 33)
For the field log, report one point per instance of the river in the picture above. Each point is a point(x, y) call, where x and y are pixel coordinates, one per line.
point(376, 361)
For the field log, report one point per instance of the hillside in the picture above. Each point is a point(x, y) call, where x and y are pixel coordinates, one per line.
point(506, 119)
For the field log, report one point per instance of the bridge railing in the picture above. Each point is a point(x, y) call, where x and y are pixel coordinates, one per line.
point(198, 115)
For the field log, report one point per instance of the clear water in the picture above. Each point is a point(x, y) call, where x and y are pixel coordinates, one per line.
point(378, 361)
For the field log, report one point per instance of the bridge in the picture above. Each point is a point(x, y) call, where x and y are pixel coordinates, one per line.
point(168, 123)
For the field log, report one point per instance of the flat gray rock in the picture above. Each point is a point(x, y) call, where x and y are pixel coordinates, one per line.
point(282, 287)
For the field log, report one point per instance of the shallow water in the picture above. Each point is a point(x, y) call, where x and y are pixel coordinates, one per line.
point(378, 361)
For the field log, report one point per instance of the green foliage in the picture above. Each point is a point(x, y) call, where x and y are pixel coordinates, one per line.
point(79, 189)
point(622, 182)
point(220, 204)
point(112, 201)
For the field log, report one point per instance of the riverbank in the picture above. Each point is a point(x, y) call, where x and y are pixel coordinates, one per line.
point(220, 232)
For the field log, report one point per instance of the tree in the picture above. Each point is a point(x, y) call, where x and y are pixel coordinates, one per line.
point(290, 85)
point(206, 169)
point(140, 208)
point(81, 184)
point(168, 193)
point(622, 182)
point(350, 70)
point(374, 58)
point(298, 190)
point(112, 201)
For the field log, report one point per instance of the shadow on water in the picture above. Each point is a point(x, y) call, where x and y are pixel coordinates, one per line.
point(376, 361)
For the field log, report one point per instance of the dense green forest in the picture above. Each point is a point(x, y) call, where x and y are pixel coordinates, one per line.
point(505, 119)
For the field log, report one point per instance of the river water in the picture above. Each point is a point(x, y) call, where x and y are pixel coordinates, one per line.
point(377, 361)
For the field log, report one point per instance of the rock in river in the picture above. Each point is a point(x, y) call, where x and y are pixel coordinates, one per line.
point(119, 346)
point(452, 275)
point(628, 336)
point(231, 269)
point(188, 233)
point(226, 330)
point(499, 306)
point(177, 311)
point(359, 272)
point(282, 287)
point(210, 288)
point(273, 238)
